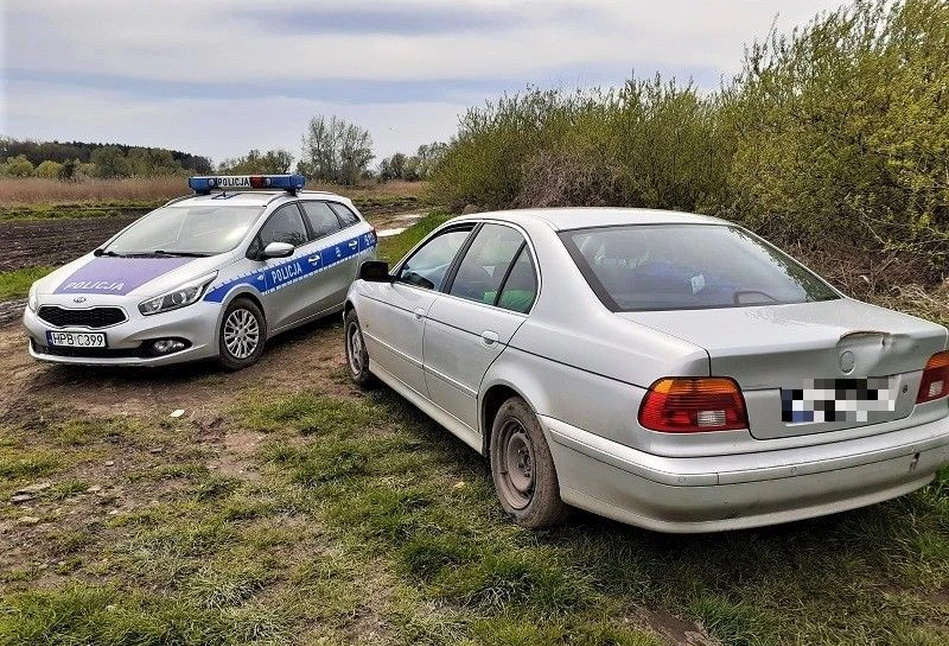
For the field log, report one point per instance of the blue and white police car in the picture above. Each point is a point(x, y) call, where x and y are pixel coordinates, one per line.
point(213, 274)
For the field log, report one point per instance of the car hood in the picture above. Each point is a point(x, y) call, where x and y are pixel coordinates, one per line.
point(137, 277)
point(779, 345)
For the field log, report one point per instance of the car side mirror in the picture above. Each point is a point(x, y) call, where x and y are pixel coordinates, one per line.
point(277, 250)
point(375, 271)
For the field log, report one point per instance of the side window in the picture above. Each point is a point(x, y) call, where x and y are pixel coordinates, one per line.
point(486, 263)
point(321, 218)
point(346, 217)
point(285, 225)
point(520, 288)
point(429, 264)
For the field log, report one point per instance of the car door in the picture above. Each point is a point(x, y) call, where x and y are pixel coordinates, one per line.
point(334, 251)
point(392, 316)
point(285, 293)
point(487, 299)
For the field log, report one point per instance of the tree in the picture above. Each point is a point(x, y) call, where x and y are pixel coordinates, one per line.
point(18, 166)
point(392, 167)
point(48, 169)
point(152, 162)
point(110, 161)
point(273, 162)
point(335, 151)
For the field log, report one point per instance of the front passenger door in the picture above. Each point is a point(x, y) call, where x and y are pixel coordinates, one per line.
point(284, 293)
point(393, 315)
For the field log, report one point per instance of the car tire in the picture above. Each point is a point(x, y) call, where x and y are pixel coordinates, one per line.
point(522, 468)
point(357, 357)
point(242, 335)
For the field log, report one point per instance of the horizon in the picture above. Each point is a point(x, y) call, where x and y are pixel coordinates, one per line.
point(405, 70)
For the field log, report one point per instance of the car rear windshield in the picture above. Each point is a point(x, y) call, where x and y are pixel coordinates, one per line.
point(688, 266)
point(187, 229)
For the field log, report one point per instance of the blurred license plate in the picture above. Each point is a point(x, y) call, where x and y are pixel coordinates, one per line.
point(839, 400)
point(76, 339)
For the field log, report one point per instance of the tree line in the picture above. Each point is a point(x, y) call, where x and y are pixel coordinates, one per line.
point(28, 158)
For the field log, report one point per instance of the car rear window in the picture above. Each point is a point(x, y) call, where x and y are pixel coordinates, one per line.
point(688, 266)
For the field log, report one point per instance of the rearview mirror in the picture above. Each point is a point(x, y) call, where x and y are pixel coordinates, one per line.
point(277, 250)
point(375, 271)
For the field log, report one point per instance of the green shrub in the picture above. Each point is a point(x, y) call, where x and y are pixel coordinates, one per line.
point(835, 136)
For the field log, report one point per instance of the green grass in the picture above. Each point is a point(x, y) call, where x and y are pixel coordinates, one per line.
point(16, 283)
point(368, 523)
point(393, 248)
point(72, 210)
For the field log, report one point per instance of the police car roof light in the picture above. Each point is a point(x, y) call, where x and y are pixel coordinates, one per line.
point(204, 185)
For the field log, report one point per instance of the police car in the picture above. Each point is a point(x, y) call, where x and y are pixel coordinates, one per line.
point(213, 274)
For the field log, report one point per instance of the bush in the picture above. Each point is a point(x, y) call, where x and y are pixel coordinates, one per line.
point(835, 137)
point(48, 169)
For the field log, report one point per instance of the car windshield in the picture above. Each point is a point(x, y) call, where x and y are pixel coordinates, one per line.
point(676, 267)
point(181, 229)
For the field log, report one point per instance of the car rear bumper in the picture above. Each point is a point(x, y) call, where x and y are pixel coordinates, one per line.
point(127, 342)
point(708, 494)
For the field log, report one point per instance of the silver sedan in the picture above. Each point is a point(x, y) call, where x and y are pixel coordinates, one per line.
point(667, 370)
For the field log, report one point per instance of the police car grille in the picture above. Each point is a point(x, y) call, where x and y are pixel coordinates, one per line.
point(94, 317)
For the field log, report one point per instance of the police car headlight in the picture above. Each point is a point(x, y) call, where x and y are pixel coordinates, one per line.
point(185, 295)
point(32, 301)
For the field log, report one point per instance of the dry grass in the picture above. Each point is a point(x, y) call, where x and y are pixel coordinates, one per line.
point(34, 190)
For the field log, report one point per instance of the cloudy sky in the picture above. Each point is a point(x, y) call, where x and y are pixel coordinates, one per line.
point(220, 77)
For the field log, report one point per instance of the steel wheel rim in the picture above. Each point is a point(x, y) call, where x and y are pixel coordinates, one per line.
point(516, 464)
point(354, 349)
point(241, 333)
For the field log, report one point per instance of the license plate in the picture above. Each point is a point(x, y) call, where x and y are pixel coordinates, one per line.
point(76, 339)
point(839, 400)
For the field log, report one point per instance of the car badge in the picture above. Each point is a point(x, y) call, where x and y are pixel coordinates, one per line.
point(847, 362)
point(79, 299)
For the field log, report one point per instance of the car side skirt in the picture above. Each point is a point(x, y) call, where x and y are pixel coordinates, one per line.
point(441, 416)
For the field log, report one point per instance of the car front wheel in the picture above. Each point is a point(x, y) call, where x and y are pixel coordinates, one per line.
point(357, 357)
point(525, 478)
point(242, 335)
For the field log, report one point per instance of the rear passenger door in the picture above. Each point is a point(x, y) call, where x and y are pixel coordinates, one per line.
point(335, 250)
point(487, 299)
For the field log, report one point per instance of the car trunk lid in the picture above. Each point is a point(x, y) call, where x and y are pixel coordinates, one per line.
point(799, 364)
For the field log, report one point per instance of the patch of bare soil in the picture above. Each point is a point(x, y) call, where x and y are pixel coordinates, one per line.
point(309, 358)
point(678, 631)
point(54, 242)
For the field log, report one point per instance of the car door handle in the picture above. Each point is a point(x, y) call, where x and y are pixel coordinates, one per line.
point(489, 338)
point(419, 314)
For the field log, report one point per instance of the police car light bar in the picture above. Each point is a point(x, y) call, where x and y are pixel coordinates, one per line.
point(204, 185)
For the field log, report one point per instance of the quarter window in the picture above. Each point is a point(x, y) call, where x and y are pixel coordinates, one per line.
point(321, 218)
point(285, 225)
point(346, 217)
point(429, 264)
point(520, 287)
point(486, 263)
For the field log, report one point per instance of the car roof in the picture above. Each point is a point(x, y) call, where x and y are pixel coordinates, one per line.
point(255, 198)
point(565, 218)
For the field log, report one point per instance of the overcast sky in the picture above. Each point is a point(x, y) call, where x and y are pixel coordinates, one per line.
point(218, 78)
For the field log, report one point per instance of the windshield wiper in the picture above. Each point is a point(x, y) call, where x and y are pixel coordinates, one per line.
point(102, 252)
point(185, 254)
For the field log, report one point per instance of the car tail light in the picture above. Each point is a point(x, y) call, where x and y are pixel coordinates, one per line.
point(693, 405)
point(935, 383)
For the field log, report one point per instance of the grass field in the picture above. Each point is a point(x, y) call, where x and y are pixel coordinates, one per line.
point(16, 284)
point(335, 516)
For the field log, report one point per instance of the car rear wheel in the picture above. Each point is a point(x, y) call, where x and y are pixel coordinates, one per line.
point(242, 335)
point(357, 357)
point(525, 478)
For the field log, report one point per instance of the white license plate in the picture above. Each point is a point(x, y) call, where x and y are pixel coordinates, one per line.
point(76, 339)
